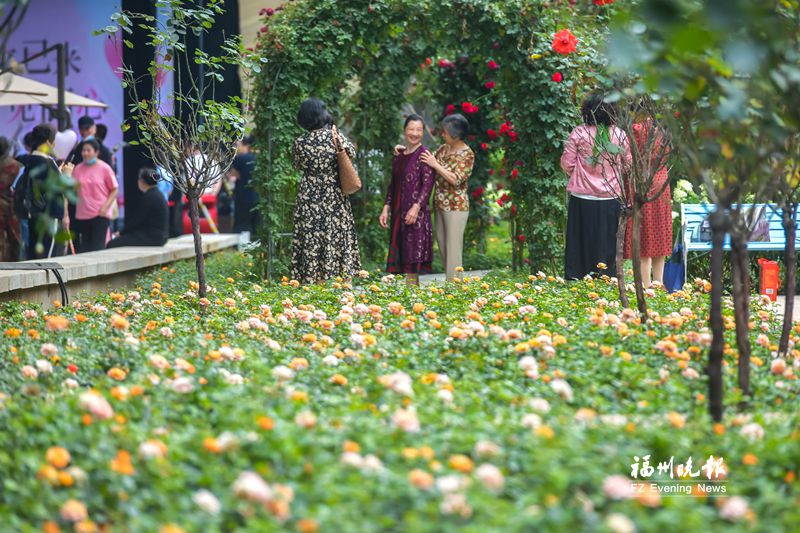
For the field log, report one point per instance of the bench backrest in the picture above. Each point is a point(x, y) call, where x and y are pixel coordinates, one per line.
point(692, 215)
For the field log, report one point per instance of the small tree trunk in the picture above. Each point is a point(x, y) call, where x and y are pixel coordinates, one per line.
point(624, 215)
point(714, 367)
point(741, 305)
point(789, 220)
point(636, 257)
point(514, 244)
point(200, 261)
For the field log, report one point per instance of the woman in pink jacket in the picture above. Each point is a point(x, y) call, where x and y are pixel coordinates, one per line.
point(593, 157)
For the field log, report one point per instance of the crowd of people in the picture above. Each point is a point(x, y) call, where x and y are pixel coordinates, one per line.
point(326, 244)
point(75, 198)
point(35, 203)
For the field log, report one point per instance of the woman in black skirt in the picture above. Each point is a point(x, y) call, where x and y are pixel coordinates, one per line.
point(594, 189)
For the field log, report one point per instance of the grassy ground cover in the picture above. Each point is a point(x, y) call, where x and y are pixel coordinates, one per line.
point(489, 405)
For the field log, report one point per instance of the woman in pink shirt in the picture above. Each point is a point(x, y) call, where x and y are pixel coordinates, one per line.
point(593, 157)
point(97, 189)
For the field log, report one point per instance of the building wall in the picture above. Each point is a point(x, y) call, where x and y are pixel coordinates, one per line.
point(250, 20)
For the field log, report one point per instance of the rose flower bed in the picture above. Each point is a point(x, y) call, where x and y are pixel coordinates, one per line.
point(501, 404)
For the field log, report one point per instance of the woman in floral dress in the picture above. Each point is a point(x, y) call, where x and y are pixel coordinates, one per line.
point(325, 243)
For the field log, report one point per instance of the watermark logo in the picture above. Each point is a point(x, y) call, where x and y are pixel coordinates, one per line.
point(682, 479)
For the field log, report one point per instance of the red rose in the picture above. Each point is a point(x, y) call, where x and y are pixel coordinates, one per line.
point(450, 109)
point(477, 193)
point(484, 146)
point(602, 2)
point(489, 85)
point(491, 134)
point(428, 60)
point(512, 136)
point(444, 63)
point(513, 210)
point(521, 238)
point(504, 128)
point(564, 42)
point(471, 137)
point(72, 368)
point(492, 65)
point(514, 174)
point(491, 172)
point(557, 77)
point(518, 163)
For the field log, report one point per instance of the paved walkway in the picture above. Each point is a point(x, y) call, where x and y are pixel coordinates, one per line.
point(796, 310)
point(431, 278)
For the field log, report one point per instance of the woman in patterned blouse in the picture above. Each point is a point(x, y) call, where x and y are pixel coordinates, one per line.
point(452, 163)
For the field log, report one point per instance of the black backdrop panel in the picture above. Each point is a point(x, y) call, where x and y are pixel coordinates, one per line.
point(135, 157)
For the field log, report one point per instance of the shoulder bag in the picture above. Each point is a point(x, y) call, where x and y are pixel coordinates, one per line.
point(348, 176)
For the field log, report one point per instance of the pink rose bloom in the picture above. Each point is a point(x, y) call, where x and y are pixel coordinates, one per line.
point(617, 488)
point(306, 419)
point(96, 405)
point(752, 431)
point(159, 362)
point(778, 366)
point(734, 509)
point(49, 349)
point(406, 419)
point(183, 385)
point(251, 486)
point(491, 477)
point(487, 448)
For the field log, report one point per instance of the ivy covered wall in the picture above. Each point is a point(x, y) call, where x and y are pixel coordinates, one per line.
point(498, 63)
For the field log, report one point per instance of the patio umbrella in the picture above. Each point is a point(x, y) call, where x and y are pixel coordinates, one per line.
point(18, 90)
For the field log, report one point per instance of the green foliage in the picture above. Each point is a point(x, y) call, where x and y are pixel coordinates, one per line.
point(367, 59)
point(731, 69)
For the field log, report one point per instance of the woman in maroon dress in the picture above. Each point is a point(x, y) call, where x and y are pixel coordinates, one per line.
point(406, 211)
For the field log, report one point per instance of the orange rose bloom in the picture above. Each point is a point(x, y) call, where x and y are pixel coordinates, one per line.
point(57, 456)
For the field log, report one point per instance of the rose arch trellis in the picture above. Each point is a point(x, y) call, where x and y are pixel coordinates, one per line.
point(491, 60)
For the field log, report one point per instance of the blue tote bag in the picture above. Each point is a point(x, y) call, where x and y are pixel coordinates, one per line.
point(675, 270)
